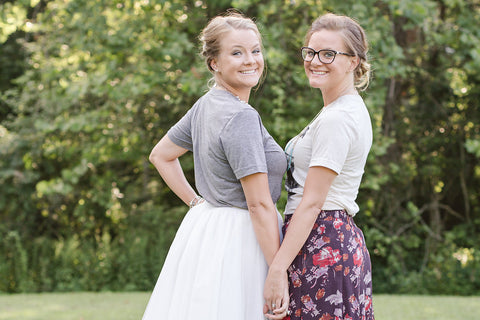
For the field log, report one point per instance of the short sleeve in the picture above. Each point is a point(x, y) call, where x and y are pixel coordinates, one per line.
point(331, 143)
point(242, 141)
point(181, 132)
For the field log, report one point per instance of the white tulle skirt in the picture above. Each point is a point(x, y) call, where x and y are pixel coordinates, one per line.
point(214, 270)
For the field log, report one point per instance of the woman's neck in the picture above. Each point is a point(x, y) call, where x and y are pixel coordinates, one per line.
point(330, 96)
point(243, 97)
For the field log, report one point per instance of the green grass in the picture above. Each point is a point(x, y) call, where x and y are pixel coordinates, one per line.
point(73, 306)
point(396, 307)
point(130, 305)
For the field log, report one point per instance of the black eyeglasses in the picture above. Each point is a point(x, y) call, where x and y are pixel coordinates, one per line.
point(326, 56)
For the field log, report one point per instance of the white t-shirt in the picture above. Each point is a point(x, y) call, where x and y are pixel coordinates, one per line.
point(339, 138)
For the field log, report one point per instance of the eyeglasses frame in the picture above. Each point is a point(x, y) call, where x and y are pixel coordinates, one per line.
point(317, 53)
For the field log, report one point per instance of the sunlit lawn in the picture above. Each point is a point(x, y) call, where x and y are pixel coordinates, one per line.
point(126, 306)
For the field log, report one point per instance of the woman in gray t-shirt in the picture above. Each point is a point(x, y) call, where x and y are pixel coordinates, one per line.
point(218, 261)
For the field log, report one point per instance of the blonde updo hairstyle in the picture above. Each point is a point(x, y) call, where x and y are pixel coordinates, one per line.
point(212, 35)
point(354, 38)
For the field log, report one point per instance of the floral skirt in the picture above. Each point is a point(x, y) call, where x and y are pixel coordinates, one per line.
point(331, 277)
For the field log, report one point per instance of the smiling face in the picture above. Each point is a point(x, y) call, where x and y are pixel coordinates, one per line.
point(239, 65)
point(334, 79)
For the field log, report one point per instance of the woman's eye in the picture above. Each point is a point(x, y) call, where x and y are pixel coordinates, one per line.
point(256, 51)
point(236, 53)
point(328, 54)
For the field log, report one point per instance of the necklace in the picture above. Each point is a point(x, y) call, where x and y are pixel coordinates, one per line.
point(225, 89)
point(293, 142)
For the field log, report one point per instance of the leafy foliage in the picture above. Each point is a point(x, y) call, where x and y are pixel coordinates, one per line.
point(88, 87)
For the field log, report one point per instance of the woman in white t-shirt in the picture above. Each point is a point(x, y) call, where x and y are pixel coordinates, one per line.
point(323, 250)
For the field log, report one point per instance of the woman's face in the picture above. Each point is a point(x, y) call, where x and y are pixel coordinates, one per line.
point(239, 64)
point(336, 76)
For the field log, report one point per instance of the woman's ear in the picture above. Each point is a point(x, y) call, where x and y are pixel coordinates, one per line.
point(354, 62)
point(213, 65)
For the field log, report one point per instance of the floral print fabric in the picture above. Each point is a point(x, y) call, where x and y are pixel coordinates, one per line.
point(331, 277)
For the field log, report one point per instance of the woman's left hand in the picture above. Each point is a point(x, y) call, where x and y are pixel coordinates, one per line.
point(276, 295)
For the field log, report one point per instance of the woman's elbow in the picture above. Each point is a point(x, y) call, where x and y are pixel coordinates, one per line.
point(156, 157)
point(153, 157)
point(312, 207)
point(259, 208)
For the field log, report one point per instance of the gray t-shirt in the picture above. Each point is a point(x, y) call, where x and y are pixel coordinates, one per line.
point(229, 142)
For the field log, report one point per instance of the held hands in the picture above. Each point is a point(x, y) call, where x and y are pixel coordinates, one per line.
point(276, 295)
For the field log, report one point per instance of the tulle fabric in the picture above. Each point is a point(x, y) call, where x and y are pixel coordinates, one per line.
point(214, 270)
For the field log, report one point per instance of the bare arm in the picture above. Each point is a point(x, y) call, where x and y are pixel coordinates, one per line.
point(262, 212)
point(317, 184)
point(265, 223)
point(164, 157)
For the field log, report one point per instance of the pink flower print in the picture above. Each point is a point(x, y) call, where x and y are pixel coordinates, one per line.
point(354, 302)
point(359, 240)
point(298, 312)
point(337, 223)
point(358, 257)
point(326, 316)
point(326, 257)
point(368, 303)
point(321, 229)
point(320, 294)
point(295, 280)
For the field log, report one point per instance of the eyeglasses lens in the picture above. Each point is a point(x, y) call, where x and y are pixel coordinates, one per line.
point(325, 56)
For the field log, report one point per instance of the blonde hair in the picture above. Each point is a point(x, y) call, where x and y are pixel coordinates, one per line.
point(354, 38)
point(212, 35)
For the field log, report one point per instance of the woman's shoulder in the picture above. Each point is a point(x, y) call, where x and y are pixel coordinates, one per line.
point(349, 106)
point(347, 102)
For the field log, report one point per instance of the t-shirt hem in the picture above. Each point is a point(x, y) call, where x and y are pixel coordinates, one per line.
point(179, 142)
point(327, 164)
point(249, 171)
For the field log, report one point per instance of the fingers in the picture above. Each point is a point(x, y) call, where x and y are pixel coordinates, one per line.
point(277, 310)
point(279, 307)
point(277, 316)
point(265, 308)
point(276, 297)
